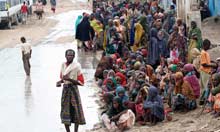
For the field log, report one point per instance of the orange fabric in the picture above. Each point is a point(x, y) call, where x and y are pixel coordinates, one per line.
point(205, 59)
point(186, 90)
point(154, 4)
point(217, 103)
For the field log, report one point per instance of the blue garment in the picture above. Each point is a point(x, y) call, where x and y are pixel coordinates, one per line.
point(120, 89)
point(53, 2)
point(78, 20)
point(154, 55)
point(132, 32)
point(84, 31)
point(155, 103)
point(162, 47)
point(150, 20)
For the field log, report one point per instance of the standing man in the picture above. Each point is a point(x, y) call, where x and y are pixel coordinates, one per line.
point(24, 12)
point(206, 65)
point(71, 106)
point(26, 55)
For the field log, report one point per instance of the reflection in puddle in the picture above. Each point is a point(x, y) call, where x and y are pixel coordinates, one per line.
point(28, 95)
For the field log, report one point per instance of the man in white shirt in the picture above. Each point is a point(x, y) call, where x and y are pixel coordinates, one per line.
point(26, 55)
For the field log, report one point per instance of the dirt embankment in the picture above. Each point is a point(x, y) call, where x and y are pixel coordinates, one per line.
point(211, 31)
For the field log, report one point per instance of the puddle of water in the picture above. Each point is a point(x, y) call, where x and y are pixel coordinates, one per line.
point(33, 104)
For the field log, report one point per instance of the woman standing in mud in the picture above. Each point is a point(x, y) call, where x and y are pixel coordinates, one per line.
point(71, 106)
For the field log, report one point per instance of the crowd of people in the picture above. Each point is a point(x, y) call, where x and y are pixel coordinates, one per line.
point(151, 63)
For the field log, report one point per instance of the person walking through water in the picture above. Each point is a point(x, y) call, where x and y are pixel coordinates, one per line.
point(71, 106)
point(26, 55)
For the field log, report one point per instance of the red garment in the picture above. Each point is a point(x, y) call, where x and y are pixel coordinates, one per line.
point(139, 108)
point(123, 78)
point(194, 82)
point(24, 9)
point(119, 60)
point(80, 78)
point(144, 52)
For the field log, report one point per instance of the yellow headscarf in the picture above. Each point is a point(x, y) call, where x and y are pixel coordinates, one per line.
point(138, 32)
point(179, 75)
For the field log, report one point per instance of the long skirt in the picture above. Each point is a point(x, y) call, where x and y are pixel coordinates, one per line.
point(71, 106)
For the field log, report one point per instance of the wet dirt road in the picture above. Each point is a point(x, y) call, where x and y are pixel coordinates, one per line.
point(32, 104)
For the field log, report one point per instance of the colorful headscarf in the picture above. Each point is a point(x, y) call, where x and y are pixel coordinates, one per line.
point(173, 67)
point(110, 87)
point(119, 90)
point(179, 75)
point(137, 65)
point(188, 67)
point(122, 77)
point(111, 72)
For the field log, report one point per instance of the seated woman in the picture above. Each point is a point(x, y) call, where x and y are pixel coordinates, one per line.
point(122, 77)
point(216, 92)
point(184, 97)
point(139, 104)
point(117, 117)
point(154, 106)
point(192, 79)
point(121, 93)
point(107, 100)
point(109, 85)
point(100, 81)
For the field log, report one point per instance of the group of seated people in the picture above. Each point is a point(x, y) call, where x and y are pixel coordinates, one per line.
point(133, 91)
point(148, 67)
